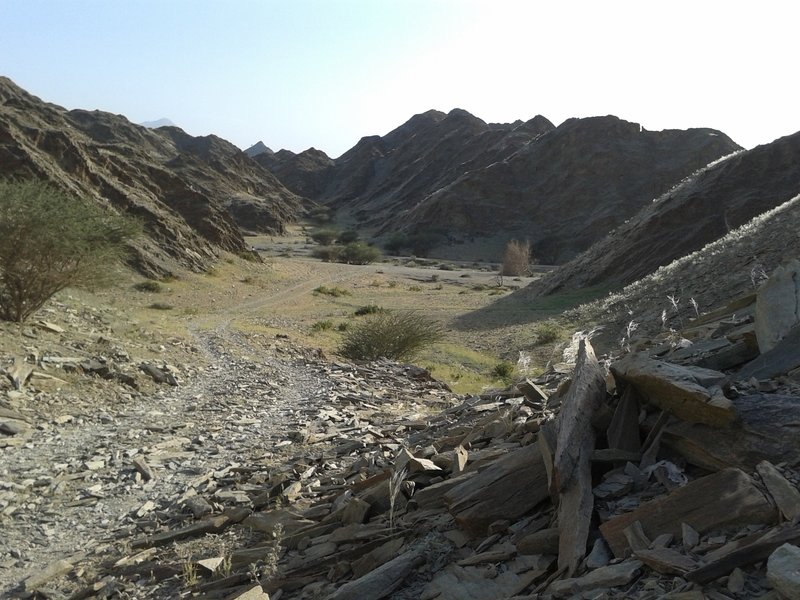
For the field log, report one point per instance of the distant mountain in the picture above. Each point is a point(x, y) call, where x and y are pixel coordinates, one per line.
point(470, 186)
point(258, 148)
point(188, 191)
point(162, 122)
point(703, 208)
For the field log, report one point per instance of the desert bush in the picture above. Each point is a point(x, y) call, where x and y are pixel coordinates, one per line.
point(347, 237)
point(393, 335)
point(359, 253)
point(424, 242)
point(547, 332)
point(148, 286)
point(50, 240)
point(516, 258)
point(334, 291)
point(396, 242)
point(322, 326)
point(503, 370)
point(321, 214)
point(369, 309)
point(324, 237)
point(327, 253)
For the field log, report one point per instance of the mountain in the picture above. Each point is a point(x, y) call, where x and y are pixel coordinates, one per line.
point(258, 148)
point(472, 185)
point(188, 191)
point(701, 209)
point(162, 122)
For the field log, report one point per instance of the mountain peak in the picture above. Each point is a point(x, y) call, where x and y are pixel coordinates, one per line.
point(162, 122)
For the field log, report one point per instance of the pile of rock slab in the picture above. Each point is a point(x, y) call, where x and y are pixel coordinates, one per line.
point(670, 472)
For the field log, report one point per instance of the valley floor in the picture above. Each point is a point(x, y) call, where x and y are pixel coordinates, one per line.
point(241, 346)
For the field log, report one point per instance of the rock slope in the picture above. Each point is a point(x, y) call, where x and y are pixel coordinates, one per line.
point(703, 208)
point(189, 192)
point(463, 181)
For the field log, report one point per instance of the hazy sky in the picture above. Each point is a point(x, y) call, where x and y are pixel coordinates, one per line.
point(324, 73)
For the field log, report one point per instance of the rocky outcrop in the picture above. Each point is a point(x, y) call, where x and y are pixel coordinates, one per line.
point(700, 210)
point(188, 192)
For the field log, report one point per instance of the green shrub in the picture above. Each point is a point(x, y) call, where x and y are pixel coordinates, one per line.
point(369, 309)
point(396, 243)
point(334, 291)
point(322, 326)
point(393, 335)
point(148, 286)
point(343, 326)
point(359, 253)
point(347, 237)
point(50, 240)
point(324, 237)
point(321, 214)
point(503, 370)
point(547, 332)
point(424, 242)
point(327, 253)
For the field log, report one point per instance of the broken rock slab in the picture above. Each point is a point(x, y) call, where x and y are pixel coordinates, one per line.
point(728, 497)
point(381, 582)
point(689, 393)
point(778, 305)
point(768, 429)
point(507, 489)
point(604, 577)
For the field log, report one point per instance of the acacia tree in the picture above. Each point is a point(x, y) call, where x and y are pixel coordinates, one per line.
point(516, 258)
point(50, 240)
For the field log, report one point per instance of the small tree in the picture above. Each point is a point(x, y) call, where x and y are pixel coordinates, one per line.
point(359, 253)
point(50, 240)
point(516, 258)
point(324, 237)
point(347, 237)
point(396, 242)
point(394, 335)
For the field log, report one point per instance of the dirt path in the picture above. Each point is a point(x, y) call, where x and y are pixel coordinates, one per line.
point(71, 490)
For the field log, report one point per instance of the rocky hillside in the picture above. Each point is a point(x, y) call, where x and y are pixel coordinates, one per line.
point(189, 192)
point(700, 210)
point(475, 185)
point(721, 272)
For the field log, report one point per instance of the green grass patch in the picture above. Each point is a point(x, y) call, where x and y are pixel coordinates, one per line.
point(465, 370)
point(325, 325)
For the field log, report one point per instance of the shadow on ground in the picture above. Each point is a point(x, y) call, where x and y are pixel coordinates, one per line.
point(521, 307)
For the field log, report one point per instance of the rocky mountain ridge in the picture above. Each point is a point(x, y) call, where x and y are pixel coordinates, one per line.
point(189, 192)
point(703, 208)
point(473, 184)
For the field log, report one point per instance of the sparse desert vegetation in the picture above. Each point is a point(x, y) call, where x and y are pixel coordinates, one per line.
point(51, 240)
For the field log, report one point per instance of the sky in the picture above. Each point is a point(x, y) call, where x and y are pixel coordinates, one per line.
point(324, 73)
